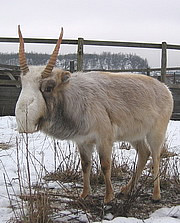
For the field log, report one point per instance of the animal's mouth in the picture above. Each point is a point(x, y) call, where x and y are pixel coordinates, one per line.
point(28, 132)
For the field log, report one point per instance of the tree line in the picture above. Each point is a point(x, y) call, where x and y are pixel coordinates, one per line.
point(105, 61)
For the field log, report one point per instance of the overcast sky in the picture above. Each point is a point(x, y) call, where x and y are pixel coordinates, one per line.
point(121, 20)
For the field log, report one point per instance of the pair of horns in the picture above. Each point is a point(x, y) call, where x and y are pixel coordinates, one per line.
point(52, 61)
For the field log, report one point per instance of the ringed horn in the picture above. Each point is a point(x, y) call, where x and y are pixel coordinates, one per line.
point(52, 61)
point(22, 57)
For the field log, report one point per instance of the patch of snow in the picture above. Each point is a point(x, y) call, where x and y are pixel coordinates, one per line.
point(167, 212)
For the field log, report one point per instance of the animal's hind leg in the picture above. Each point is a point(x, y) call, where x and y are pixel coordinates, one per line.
point(86, 154)
point(143, 154)
point(156, 140)
point(105, 151)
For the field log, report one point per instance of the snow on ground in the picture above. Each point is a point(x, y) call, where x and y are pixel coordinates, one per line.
point(163, 215)
point(42, 149)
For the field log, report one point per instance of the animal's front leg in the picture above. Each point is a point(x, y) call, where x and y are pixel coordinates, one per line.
point(105, 159)
point(86, 153)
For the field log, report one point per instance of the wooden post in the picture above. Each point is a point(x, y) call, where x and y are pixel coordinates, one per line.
point(80, 54)
point(174, 78)
point(163, 62)
point(72, 66)
point(148, 71)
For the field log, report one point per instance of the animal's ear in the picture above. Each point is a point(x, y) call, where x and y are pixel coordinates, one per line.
point(65, 77)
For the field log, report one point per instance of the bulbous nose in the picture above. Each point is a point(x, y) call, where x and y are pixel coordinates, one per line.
point(29, 110)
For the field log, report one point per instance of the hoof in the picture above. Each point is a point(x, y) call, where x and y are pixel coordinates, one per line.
point(156, 198)
point(108, 199)
point(84, 195)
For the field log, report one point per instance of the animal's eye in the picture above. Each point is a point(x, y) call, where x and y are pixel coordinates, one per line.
point(49, 89)
point(47, 86)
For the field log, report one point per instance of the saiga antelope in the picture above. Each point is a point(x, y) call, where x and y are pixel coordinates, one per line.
point(96, 109)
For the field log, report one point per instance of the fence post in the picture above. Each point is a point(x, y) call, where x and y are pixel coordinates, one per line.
point(72, 66)
point(80, 54)
point(174, 78)
point(148, 71)
point(163, 62)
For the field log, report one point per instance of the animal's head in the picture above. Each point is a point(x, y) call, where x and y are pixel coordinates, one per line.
point(38, 84)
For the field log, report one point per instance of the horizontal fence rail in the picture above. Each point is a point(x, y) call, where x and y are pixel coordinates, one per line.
point(91, 43)
point(144, 70)
point(37, 40)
